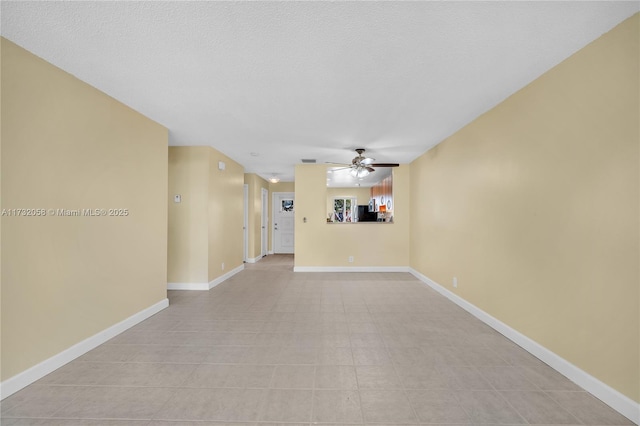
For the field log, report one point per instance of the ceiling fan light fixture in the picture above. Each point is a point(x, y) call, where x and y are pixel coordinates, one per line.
point(359, 172)
point(274, 179)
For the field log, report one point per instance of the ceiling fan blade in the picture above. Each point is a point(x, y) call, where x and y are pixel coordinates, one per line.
point(363, 163)
point(384, 165)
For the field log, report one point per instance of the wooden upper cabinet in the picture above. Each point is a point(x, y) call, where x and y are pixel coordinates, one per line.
point(383, 191)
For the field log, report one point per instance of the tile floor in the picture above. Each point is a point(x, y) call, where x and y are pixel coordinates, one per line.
point(270, 346)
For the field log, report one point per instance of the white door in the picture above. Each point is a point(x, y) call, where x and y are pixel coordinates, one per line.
point(245, 224)
point(283, 223)
point(264, 234)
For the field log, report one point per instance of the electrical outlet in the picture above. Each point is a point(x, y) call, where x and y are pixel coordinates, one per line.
point(350, 259)
point(455, 282)
point(223, 266)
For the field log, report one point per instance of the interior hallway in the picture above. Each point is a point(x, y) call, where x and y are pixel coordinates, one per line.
point(273, 346)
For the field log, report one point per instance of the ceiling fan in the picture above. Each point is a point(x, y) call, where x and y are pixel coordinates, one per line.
point(361, 166)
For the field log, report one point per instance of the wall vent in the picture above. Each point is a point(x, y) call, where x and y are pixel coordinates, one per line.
point(309, 160)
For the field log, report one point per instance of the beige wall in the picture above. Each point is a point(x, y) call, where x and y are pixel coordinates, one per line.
point(321, 244)
point(67, 145)
point(226, 207)
point(187, 256)
point(1, 44)
point(282, 187)
point(205, 229)
point(534, 207)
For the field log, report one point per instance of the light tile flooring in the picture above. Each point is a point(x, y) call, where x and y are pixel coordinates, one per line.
point(273, 346)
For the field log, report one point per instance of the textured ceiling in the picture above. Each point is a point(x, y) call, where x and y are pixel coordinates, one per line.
point(293, 80)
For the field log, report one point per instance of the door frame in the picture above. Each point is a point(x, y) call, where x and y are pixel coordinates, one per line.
point(245, 224)
point(264, 231)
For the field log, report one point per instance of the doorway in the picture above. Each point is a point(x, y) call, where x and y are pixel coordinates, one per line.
point(264, 234)
point(245, 224)
point(283, 222)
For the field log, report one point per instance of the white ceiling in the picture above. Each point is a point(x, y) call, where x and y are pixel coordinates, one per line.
point(293, 80)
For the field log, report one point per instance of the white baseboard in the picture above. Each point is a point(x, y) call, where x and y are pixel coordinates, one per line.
point(270, 252)
point(225, 277)
point(187, 286)
point(22, 380)
point(616, 400)
point(253, 259)
point(351, 269)
point(206, 286)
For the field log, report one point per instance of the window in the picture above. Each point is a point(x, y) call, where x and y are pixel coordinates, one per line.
point(343, 210)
